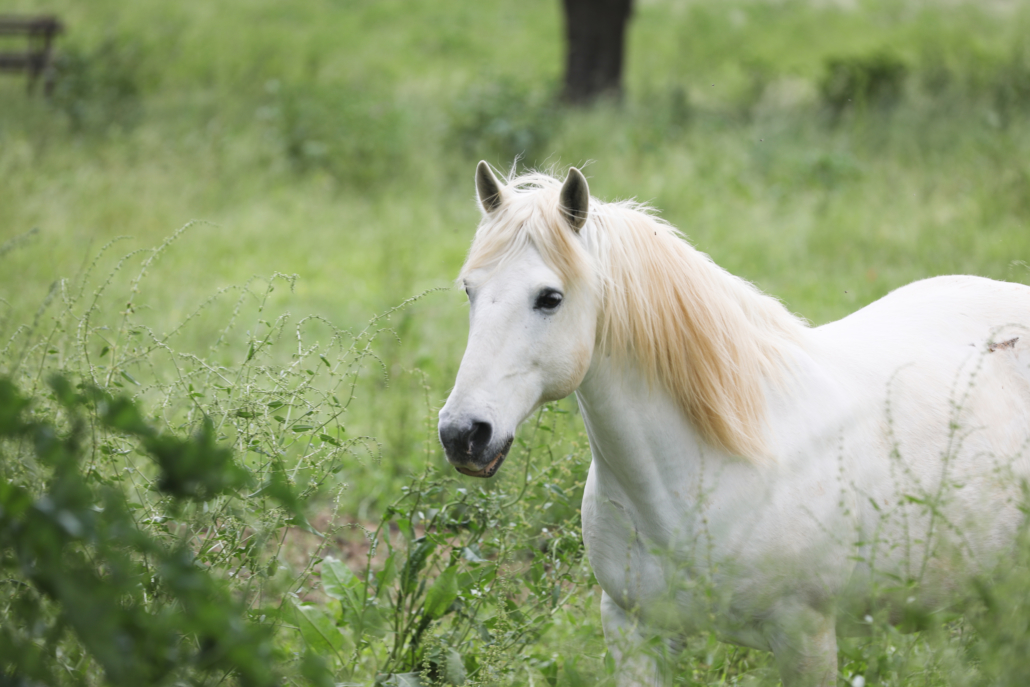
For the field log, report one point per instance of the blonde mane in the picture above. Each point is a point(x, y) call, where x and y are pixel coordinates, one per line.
point(711, 338)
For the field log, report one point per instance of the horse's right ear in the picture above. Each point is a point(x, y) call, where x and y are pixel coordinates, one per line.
point(574, 199)
point(489, 189)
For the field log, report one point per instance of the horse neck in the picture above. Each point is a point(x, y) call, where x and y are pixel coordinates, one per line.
point(645, 451)
point(711, 338)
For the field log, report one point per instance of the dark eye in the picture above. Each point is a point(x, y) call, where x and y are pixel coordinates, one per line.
point(548, 299)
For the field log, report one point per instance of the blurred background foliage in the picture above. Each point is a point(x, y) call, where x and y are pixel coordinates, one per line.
point(828, 151)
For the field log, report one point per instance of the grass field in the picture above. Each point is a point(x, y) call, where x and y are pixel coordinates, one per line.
point(829, 152)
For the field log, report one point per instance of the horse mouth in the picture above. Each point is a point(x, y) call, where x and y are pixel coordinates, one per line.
point(491, 467)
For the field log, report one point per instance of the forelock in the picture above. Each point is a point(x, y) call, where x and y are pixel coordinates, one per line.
point(530, 215)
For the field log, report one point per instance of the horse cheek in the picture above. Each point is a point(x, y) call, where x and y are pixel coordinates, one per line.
point(569, 374)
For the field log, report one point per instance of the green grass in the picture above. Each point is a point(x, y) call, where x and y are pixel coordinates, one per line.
point(336, 142)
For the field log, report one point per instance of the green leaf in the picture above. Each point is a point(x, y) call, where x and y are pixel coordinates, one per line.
point(386, 575)
point(129, 377)
point(338, 581)
point(417, 558)
point(442, 594)
point(399, 680)
point(548, 667)
point(315, 671)
point(140, 640)
point(318, 631)
point(453, 667)
point(404, 525)
point(472, 556)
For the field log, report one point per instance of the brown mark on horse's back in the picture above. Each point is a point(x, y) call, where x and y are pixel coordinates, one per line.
point(1011, 343)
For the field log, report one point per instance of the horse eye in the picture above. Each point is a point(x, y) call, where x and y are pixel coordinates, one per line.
point(549, 299)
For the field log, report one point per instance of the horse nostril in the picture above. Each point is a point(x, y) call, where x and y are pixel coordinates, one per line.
point(479, 437)
point(465, 443)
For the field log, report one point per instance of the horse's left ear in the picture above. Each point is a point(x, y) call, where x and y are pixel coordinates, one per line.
point(574, 200)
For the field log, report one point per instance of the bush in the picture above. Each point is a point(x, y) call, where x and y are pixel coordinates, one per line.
point(1012, 83)
point(74, 559)
point(356, 138)
point(861, 82)
point(99, 89)
point(502, 119)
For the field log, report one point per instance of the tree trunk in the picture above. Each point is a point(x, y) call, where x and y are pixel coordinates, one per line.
point(596, 32)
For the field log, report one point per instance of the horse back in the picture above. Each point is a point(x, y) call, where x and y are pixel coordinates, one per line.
point(934, 423)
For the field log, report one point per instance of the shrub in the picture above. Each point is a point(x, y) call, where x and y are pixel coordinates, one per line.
point(75, 561)
point(1012, 83)
point(100, 88)
point(859, 82)
point(502, 119)
point(356, 138)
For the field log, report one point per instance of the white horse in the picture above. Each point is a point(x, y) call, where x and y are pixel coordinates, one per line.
point(781, 479)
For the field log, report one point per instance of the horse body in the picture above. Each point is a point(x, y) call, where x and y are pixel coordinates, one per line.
point(892, 443)
point(670, 522)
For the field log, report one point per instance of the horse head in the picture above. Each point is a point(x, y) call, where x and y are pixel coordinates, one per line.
point(532, 320)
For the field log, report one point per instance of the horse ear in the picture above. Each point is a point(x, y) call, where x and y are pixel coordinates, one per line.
point(489, 189)
point(574, 200)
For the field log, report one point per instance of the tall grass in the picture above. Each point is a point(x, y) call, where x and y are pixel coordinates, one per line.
point(453, 581)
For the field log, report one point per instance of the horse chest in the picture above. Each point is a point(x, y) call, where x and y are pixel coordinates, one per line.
point(675, 559)
point(622, 550)
point(651, 555)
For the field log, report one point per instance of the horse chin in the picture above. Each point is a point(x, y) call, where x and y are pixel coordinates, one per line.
point(490, 468)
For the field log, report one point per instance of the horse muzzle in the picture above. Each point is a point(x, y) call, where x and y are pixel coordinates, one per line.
point(471, 448)
point(490, 468)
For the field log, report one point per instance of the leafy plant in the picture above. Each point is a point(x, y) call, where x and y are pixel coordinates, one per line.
point(460, 582)
point(75, 561)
